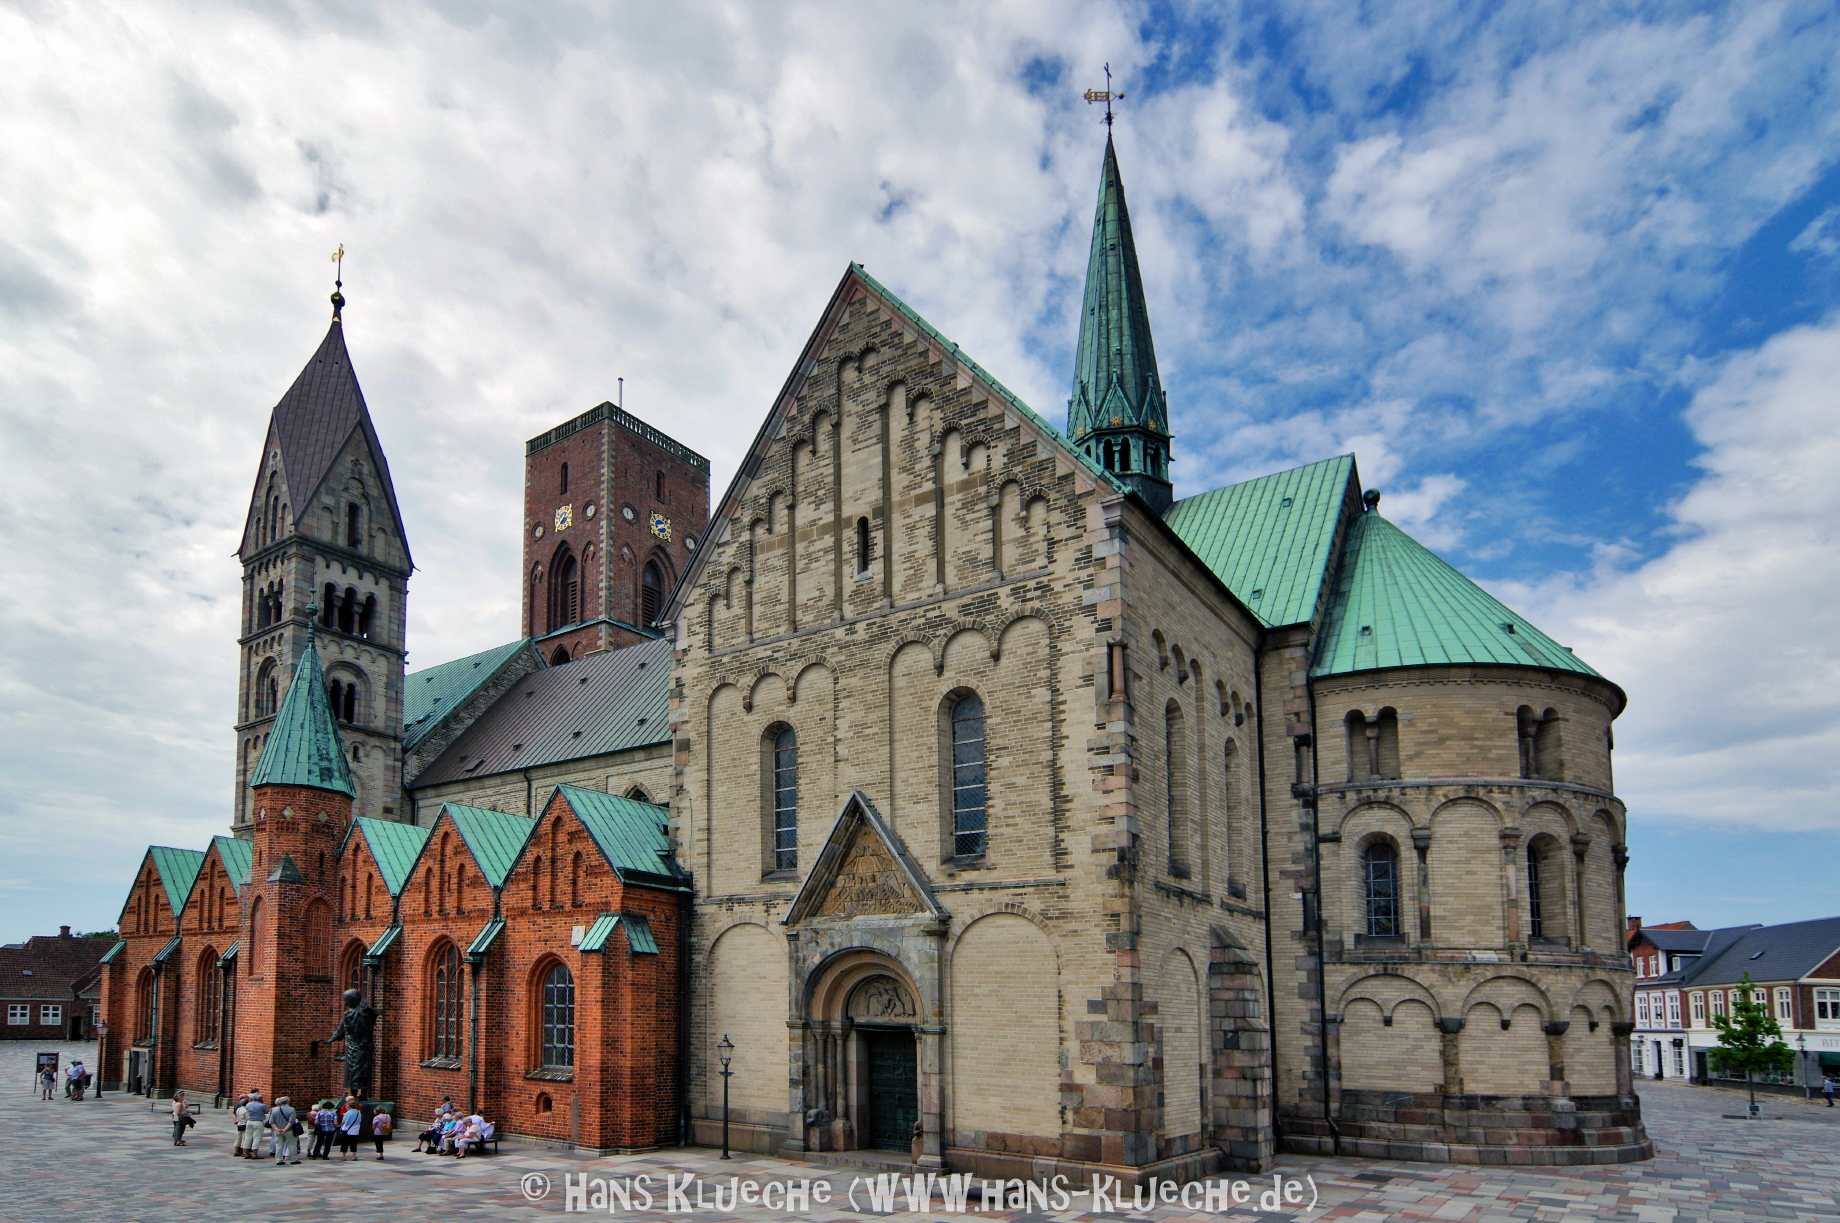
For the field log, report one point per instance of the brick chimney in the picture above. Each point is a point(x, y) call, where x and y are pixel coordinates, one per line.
point(63, 931)
point(1635, 926)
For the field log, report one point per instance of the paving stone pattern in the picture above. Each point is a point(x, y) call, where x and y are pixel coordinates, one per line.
point(113, 1160)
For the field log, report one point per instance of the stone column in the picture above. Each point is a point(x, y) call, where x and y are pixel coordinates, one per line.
point(1625, 1075)
point(803, 1057)
point(1581, 844)
point(1421, 845)
point(1511, 895)
point(1453, 1062)
point(1555, 1055)
point(932, 1041)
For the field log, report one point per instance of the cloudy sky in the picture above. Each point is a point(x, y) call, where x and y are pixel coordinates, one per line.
point(1563, 277)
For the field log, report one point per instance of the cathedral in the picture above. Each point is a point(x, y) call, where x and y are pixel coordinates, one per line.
point(972, 802)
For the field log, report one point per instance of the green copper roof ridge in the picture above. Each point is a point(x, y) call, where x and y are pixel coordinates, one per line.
point(494, 843)
point(1399, 604)
point(392, 837)
point(1091, 465)
point(304, 747)
point(1116, 355)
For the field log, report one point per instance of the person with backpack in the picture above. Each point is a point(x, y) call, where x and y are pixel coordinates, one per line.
point(380, 1129)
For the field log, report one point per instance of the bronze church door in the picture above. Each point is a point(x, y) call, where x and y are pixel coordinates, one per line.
point(893, 1094)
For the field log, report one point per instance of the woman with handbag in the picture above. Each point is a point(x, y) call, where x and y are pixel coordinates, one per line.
point(181, 1118)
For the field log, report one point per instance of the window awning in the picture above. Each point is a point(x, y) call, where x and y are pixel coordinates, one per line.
point(108, 957)
point(229, 956)
point(477, 949)
point(165, 953)
point(385, 941)
point(638, 933)
point(598, 934)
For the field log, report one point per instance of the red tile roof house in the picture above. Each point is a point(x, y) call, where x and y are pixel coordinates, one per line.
point(43, 982)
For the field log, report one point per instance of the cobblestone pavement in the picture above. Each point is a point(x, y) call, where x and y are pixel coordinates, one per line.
point(114, 1160)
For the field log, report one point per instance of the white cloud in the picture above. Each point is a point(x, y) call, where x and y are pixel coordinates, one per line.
point(1727, 642)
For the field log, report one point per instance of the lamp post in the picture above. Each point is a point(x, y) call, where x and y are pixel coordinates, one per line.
point(725, 1051)
point(1801, 1064)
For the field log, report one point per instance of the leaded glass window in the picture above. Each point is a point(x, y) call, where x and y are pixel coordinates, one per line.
point(786, 800)
point(558, 1050)
point(444, 1031)
point(969, 812)
point(1380, 864)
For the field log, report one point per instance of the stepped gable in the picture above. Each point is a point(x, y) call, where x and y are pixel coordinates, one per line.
point(597, 704)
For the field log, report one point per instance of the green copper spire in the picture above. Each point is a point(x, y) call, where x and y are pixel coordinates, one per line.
point(304, 748)
point(1117, 413)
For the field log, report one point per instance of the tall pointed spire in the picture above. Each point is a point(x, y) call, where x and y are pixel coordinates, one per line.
point(304, 748)
point(1117, 413)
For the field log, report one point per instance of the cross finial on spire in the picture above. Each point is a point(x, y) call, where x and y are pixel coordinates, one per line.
point(338, 281)
point(1106, 95)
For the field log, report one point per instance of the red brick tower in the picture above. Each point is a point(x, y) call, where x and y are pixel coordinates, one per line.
point(300, 807)
point(614, 510)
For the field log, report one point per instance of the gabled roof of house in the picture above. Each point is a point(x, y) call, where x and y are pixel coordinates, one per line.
point(1270, 540)
point(1768, 953)
point(394, 848)
point(598, 704)
point(430, 695)
point(313, 420)
point(496, 838)
point(1399, 604)
point(236, 855)
point(304, 747)
point(632, 833)
point(1678, 940)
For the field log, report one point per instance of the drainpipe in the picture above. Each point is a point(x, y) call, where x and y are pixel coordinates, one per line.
point(153, 1033)
point(1271, 977)
point(1322, 968)
point(686, 909)
point(223, 1031)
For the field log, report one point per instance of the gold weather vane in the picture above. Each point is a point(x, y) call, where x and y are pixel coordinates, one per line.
point(338, 281)
point(1105, 95)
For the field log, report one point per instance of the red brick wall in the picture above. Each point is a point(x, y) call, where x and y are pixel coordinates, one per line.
point(612, 468)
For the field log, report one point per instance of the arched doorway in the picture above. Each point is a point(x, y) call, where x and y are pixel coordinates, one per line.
point(865, 1052)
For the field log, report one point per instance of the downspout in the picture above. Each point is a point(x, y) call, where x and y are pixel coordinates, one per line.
point(473, 965)
point(1271, 977)
point(153, 1029)
point(686, 914)
point(223, 1030)
point(1322, 968)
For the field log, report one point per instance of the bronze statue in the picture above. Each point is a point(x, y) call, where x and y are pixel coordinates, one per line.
point(355, 1030)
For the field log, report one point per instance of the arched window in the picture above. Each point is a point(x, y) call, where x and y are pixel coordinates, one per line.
point(1124, 454)
point(562, 484)
point(863, 553)
point(367, 616)
point(460, 889)
point(1536, 917)
point(351, 967)
point(354, 526)
point(575, 881)
point(536, 882)
point(556, 1050)
point(565, 591)
point(329, 606)
point(444, 1002)
point(1373, 745)
point(143, 1005)
point(969, 813)
point(651, 593)
point(268, 691)
point(1380, 870)
point(210, 995)
point(258, 919)
point(348, 611)
point(559, 655)
point(1547, 762)
point(1175, 756)
point(1546, 878)
point(783, 796)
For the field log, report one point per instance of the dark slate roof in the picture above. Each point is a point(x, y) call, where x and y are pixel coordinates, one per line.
point(594, 705)
point(631, 832)
point(49, 966)
point(430, 694)
point(394, 848)
point(304, 748)
point(1270, 540)
point(1678, 940)
point(1768, 953)
point(316, 417)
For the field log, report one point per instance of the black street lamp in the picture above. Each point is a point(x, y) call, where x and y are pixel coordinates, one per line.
point(1801, 1064)
point(725, 1051)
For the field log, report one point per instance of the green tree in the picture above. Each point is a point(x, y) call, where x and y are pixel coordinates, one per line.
point(1749, 1040)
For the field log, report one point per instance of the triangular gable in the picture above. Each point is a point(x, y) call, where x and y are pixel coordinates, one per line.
point(632, 833)
point(863, 870)
point(236, 856)
point(178, 870)
point(494, 838)
point(856, 287)
point(393, 847)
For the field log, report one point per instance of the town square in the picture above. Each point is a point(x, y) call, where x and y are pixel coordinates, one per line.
point(1082, 610)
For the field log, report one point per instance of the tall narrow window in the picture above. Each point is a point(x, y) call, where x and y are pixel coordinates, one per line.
point(1536, 914)
point(651, 593)
point(367, 616)
point(1547, 762)
point(267, 690)
point(970, 816)
point(210, 996)
point(786, 800)
point(557, 1051)
point(354, 529)
point(562, 484)
point(658, 484)
point(863, 555)
point(444, 995)
point(1175, 756)
point(565, 592)
point(348, 611)
point(1380, 866)
point(329, 606)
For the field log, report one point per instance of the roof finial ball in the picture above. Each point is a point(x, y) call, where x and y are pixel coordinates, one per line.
point(312, 610)
point(1371, 499)
point(338, 282)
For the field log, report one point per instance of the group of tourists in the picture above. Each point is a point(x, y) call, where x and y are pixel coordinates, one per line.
point(76, 1080)
point(283, 1125)
point(452, 1134)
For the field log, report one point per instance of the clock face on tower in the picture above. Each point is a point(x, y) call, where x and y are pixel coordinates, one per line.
point(564, 516)
point(661, 526)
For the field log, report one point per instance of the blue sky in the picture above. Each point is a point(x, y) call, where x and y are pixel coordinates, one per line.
point(1562, 276)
